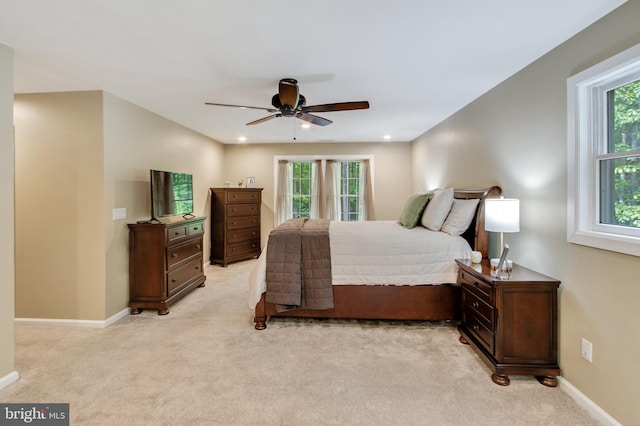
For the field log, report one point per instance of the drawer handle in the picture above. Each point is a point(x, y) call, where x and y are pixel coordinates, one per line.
point(234, 210)
point(197, 246)
point(475, 304)
point(197, 267)
point(195, 228)
point(173, 280)
point(176, 233)
point(475, 327)
point(174, 255)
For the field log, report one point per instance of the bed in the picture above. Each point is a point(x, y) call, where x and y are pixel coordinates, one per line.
point(368, 292)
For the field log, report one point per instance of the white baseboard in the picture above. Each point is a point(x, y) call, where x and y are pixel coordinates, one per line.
point(75, 323)
point(8, 379)
point(583, 401)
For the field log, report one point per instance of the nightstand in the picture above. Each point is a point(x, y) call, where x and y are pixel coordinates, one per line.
point(512, 324)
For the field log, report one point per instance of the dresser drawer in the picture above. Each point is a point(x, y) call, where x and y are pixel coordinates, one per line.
point(243, 235)
point(477, 287)
point(237, 210)
point(475, 325)
point(243, 248)
point(182, 276)
point(483, 310)
point(242, 197)
point(195, 229)
point(243, 222)
point(179, 253)
point(176, 233)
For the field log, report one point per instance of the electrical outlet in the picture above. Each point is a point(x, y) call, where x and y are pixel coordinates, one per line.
point(587, 350)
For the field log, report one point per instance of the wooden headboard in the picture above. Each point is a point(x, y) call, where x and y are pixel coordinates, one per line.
point(476, 235)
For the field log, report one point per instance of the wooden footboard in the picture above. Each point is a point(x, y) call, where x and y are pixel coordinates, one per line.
point(426, 303)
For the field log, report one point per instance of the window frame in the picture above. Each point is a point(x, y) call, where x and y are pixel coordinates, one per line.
point(323, 165)
point(587, 146)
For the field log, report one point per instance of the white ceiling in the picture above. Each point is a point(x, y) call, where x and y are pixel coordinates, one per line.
point(415, 61)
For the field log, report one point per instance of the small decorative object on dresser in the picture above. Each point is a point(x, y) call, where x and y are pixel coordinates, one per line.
point(165, 263)
point(251, 182)
point(512, 324)
point(235, 224)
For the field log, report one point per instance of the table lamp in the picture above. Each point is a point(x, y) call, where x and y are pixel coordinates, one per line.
point(502, 215)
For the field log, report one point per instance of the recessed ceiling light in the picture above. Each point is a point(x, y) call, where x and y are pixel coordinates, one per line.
point(242, 138)
point(387, 137)
point(305, 125)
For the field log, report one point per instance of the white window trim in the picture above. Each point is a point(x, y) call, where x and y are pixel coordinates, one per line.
point(324, 158)
point(582, 173)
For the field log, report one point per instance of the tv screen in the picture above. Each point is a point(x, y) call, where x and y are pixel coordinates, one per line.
point(171, 194)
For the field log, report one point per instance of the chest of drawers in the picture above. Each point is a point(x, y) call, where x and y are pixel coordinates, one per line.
point(165, 263)
point(235, 224)
point(511, 323)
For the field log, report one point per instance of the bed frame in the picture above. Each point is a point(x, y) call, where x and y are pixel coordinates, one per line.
point(394, 302)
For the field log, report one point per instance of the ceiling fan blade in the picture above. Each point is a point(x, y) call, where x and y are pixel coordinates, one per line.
point(242, 106)
point(262, 120)
point(313, 119)
point(339, 106)
point(288, 92)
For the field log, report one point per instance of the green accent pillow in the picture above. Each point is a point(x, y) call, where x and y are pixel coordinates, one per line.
point(413, 208)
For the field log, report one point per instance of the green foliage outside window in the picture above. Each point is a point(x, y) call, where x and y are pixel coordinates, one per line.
point(624, 136)
point(301, 189)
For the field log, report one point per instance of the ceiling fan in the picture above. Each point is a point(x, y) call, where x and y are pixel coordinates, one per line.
point(288, 102)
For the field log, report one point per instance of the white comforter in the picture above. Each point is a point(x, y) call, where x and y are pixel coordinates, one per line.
point(382, 252)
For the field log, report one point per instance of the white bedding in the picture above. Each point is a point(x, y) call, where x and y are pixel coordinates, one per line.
point(382, 252)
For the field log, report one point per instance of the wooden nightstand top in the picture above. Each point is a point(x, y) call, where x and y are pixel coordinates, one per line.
point(519, 275)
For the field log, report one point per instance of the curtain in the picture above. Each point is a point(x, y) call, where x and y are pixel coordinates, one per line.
point(317, 209)
point(284, 192)
point(366, 192)
point(332, 189)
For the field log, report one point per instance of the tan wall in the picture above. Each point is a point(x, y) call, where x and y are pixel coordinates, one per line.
point(60, 260)
point(78, 156)
point(7, 275)
point(516, 136)
point(136, 141)
point(391, 178)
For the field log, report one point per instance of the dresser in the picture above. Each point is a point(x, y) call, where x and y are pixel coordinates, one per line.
point(512, 324)
point(165, 263)
point(235, 224)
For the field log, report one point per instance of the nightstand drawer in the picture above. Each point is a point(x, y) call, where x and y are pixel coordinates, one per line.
point(482, 309)
point(479, 288)
point(475, 325)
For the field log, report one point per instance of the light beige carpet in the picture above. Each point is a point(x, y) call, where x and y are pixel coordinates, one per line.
point(204, 364)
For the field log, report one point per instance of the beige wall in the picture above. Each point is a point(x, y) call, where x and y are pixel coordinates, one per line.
point(7, 276)
point(136, 141)
point(60, 260)
point(515, 136)
point(391, 180)
point(78, 156)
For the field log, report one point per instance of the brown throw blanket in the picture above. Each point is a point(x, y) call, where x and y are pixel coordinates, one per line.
point(298, 272)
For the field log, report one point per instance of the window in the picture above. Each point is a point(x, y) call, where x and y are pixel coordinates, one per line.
point(604, 155)
point(333, 188)
point(301, 183)
point(350, 190)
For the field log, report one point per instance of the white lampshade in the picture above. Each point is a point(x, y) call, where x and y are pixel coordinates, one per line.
point(502, 215)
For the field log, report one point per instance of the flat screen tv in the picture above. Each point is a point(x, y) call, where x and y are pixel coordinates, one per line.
point(171, 194)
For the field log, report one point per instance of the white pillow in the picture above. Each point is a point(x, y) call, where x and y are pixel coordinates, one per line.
point(460, 216)
point(437, 209)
